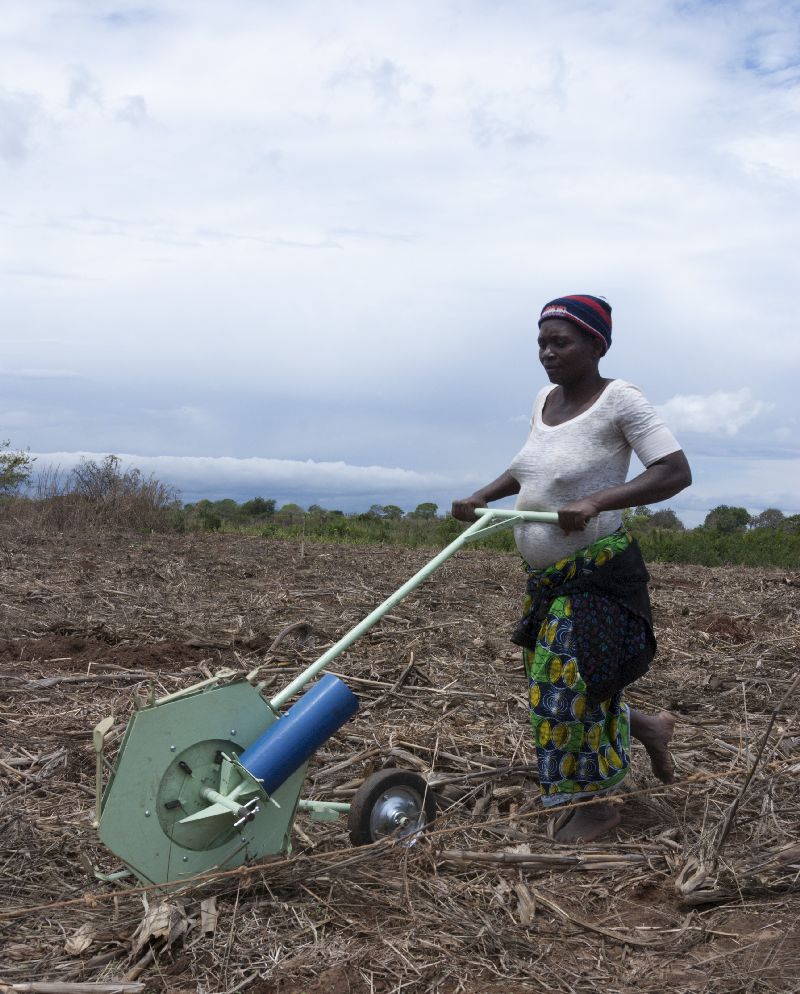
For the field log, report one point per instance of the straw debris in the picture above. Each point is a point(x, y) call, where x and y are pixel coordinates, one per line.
point(699, 889)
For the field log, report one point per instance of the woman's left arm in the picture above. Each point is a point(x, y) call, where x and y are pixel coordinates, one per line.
point(662, 479)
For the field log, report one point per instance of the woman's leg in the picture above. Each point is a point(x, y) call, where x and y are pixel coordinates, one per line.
point(581, 752)
point(654, 731)
point(591, 821)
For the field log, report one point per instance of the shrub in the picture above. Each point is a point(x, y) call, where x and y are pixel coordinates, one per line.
point(98, 494)
point(258, 507)
point(15, 469)
point(727, 520)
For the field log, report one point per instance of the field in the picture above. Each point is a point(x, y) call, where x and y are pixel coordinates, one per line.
point(692, 893)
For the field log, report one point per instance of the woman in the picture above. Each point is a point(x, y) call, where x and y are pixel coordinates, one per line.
point(587, 630)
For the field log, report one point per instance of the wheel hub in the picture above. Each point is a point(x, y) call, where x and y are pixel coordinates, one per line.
point(399, 812)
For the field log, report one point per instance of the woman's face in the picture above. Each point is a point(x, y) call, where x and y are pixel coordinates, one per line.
point(567, 353)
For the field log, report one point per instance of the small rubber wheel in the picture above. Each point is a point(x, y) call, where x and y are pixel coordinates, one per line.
point(390, 803)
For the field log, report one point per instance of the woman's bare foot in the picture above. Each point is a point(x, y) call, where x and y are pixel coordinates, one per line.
point(589, 822)
point(654, 731)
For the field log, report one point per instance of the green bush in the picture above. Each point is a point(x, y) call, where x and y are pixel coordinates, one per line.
point(258, 508)
point(15, 470)
point(669, 543)
point(708, 547)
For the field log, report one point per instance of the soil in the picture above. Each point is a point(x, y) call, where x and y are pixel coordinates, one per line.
point(91, 624)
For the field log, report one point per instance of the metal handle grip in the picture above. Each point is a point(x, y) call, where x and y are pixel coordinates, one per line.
point(546, 517)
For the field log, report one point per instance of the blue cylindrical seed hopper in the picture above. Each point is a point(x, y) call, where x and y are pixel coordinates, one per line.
point(296, 735)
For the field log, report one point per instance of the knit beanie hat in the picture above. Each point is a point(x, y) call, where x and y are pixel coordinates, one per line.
point(592, 314)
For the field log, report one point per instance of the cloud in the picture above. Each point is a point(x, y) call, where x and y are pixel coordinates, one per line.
point(134, 17)
point(389, 82)
point(41, 374)
point(778, 154)
point(488, 128)
point(15, 419)
point(330, 227)
point(718, 413)
point(187, 411)
point(287, 479)
point(133, 111)
point(30, 271)
point(18, 114)
point(83, 87)
point(772, 53)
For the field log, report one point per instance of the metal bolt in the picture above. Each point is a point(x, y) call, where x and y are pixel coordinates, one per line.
point(172, 748)
point(186, 859)
point(233, 731)
point(147, 814)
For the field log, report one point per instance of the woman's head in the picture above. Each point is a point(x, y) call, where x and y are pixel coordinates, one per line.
point(591, 314)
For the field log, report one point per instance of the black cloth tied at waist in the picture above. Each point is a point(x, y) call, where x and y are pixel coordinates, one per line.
point(612, 624)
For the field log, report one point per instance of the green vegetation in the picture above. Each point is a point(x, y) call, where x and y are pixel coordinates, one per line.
point(15, 469)
point(729, 535)
point(380, 525)
point(101, 494)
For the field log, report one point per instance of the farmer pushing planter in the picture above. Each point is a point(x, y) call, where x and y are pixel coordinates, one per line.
point(210, 777)
point(587, 631)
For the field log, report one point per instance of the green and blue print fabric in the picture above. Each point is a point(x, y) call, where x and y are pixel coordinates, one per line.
point(581, 751)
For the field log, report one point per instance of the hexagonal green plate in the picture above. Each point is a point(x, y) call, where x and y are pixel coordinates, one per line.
point(140, 819)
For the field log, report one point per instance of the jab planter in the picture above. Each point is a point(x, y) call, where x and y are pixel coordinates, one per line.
point(210, 777)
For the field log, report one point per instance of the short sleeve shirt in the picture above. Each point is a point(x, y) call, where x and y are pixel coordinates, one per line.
point(562, 463)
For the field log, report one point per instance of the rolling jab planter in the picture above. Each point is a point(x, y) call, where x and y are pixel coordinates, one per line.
point(210, 777)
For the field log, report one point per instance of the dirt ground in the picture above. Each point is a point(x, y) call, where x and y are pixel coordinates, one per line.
point(486, 904)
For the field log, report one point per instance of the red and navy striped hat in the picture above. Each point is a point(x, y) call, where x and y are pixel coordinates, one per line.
point(592, 314)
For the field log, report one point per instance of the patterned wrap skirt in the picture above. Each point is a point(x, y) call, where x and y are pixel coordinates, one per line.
point(581, 752)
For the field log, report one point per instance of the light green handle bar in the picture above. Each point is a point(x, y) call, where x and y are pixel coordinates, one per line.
point(489, 521)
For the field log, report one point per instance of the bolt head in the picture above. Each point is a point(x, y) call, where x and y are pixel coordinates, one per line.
point(147, 814)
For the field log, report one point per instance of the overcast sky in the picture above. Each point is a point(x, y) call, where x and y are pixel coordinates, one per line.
point(298, 249)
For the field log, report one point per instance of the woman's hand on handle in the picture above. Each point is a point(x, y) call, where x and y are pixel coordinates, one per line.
point(504, 486)
point(464, 510)
point(575, 516)
point(661, 480)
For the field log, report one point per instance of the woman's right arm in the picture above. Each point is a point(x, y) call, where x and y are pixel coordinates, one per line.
point(504, 486)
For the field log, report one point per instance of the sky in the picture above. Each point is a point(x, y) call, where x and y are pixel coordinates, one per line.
point(298, 249)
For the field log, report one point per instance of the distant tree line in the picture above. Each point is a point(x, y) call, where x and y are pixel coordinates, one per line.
point(722, 519)
point(214, 515)
point(727, 535)
point(100, 493)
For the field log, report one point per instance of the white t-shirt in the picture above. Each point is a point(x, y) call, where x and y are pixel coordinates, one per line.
point(591, 452)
